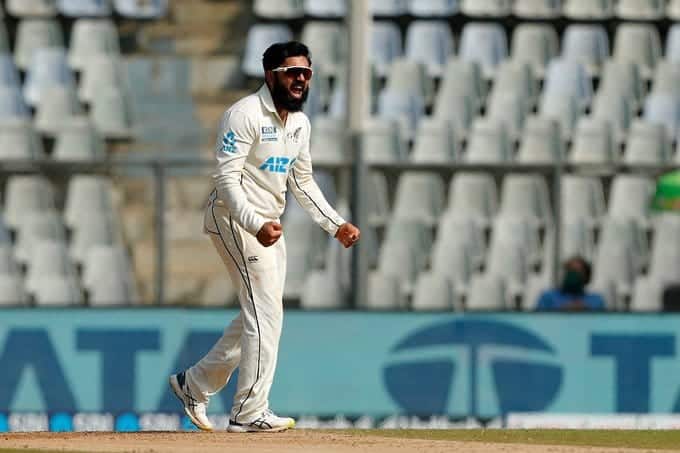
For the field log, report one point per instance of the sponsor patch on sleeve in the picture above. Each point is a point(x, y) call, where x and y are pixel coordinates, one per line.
point(229, 142)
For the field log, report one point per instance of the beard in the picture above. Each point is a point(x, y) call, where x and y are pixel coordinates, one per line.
point(283, 99)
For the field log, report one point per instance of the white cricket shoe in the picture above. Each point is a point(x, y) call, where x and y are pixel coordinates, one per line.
point(194, 409)
point(267, 422)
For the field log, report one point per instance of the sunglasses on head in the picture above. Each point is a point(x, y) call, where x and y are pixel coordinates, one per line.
point(295, 71)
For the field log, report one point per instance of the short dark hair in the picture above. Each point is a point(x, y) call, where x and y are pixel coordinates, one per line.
point(587, 268)
point(278, 52)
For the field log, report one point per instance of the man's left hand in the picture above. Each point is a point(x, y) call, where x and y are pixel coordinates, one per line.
point(347, 234)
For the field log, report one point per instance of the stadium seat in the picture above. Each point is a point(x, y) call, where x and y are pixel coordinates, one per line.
point(9, 76)
point(667, 78)
point(589, 9)
point(404, 107)
point(435, 142)
point(593, 143)
point(113, 291)
point(384, 292)
point(377, 199)
point(78, 141)
point(33, 34)
point(48, 258)
point(536, 285)
point(36, 226)
point(408, 76)
point(91, 37)
point(461, 79)
point(515, 78)
point(388, 8)
point(640, 9)
point(107, 262)
point(58, 105)
point(566, 77)
point(8, 265)
point(12, 292)
point(49, 68)
point(538, 9)
point(665, 256)
point(460, 247)
point(31, 8)
point(587, 44)
point(509, 262)
point(526, 196)
point(626, 233)
point(25, 194)
point(630, 198)
point(87, 195)
point(647, 295)
point(536, 45)
point(322, 291)
point(474, 195)
point(433, 292)
point(647, 144)
point(614, 265)
point(304, 246)
point(404, 251)
point(673, 9)
point(582, 199)
point(5, 47)
point(110, 113)
point(134, 9)
point(327, 141)
point(489, 143)
point(5, 235)
point(278, 9)
point(640, 44)
point(429, 43)
point(577, 239)
point(484, 43)
point(672, 53)
point(84, 8)
point(541, 142)
point(328, 43)
point(386, 45)
point(419, 197)
point(511, 229)
point(510, 110)
point(19, 141)
point(12, 106)
point(382, 143)
point(564, 109)
point(616, 110)
point(101, 71)
point(623, 79)
point(664, 109)
point(486, 293)
point(327, 9)
point(458, 110)
point(433, 8)
point(91, 231)
point(56, 291)
point(486, 8)
point(260, 37)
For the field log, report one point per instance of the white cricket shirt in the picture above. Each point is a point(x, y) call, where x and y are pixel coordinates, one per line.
point(258, 156)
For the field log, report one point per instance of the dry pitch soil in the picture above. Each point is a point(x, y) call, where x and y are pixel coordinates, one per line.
point(292, 441)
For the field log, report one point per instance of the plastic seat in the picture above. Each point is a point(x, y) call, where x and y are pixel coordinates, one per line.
point(91, 231)
point(382, 142)
point(327, 141)
point(277, 9)
point(510, 229)
point(84, 8)
point(113, 291)
point(433, 292)
point(667, 78)
point(107, 262)
point(388, 8)
point(407, 76)
point(433, 8)
point(587, 44)
point(516, 79)
point(36, 226)
point(458, 250)
point(461, 79)
point(110, 113)
point(87, 195)
point(33, 34)
point(435, 142)
point(458, 110)
point(614, 265)
point(593, 143)
point(486, 293)
point(535, 286)
point(12, 106)
point(640, 9)
point(509, 262)
point(48, 258)
point(510, 110)
point(31, 8)
point(526, 196)
point(624, 79)
point(536, 45)
point(322, 291)
point(538, 9)
point(484, 43)
point(582, 199)
point(377, 199)
point(101, 71)
point(56, 291)
point(404, 251)
point(19, 141)
point(589, 9)
point(91, 37)
point(328, 43)
point(5, 47)
point(647, 144)
point(79, 141)
point(25, 194)
point(664, 109)
point(384, 292)
point(489, 143)
point(419, 197)
point(429, 43)
point(304, 246)
point(329, 9)
point(474, 195)
point(12, 291)
point(615, 109)
point(57, 106)
point(640, 44)
point(486, 8)
point(404, 107)
point(5, 235)
point(626, 233)
point(673, 44)
point(9, 76)
point(541, 142)
point(49, 68)
point(568, 78)
point(150, 9)
point(647, 295)
point(665, 257)
point(577, 239)
point(673, 9)
point(562, 108)
point(386, 45)
point(260, 37)
point(630, 198)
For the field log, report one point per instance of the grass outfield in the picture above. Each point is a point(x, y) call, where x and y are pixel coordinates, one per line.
point(661, 440)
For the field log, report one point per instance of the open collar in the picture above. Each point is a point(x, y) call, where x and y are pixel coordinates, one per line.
point(266, 99)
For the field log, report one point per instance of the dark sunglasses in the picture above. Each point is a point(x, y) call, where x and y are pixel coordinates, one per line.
point(295, 71)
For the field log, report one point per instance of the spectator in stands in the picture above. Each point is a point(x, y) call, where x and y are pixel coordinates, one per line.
point(572, 294)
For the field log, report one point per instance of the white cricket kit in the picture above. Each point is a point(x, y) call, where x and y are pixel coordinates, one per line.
point(257, 157)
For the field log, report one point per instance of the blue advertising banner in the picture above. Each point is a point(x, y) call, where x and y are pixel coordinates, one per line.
point(66, 361)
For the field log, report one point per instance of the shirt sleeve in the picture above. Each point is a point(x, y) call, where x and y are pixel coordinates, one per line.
point(307, 193)
point(236, 138)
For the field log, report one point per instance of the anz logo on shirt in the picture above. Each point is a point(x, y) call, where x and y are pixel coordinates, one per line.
point(277, 164)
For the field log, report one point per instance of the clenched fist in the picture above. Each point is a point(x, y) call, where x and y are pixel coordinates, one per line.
point(347, 234)
point(269, 233)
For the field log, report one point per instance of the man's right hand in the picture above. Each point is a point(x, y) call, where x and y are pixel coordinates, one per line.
point(269, 233)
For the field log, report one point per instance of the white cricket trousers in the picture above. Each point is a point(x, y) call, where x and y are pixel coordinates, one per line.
point(251, 341)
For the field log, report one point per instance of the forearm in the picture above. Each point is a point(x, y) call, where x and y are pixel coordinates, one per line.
point(230, 192)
